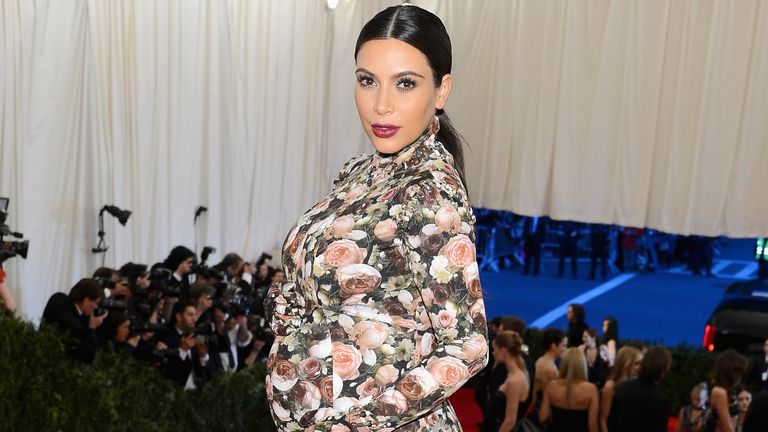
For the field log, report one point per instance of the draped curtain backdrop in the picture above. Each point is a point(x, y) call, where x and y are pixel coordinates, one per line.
point(646, 113)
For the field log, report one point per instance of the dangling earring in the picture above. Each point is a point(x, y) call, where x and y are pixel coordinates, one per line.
point(434, 125)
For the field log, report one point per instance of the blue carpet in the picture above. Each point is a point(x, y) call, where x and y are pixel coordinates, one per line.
point(665, 307)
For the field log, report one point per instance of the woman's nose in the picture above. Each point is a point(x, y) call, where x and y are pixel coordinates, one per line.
point(383, 104)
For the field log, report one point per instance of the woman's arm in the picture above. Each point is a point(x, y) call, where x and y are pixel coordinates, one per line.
point(611, 352)
point(605, 404)
point(680, 418)
point(512, 392)
point(594, 402)
point(436, 238)
point(720, 405)
point(544, 411)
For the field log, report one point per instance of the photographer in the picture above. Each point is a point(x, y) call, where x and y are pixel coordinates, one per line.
point(73, 314)
point(116, 332)
point(187, 357)
point(114, 286)
point(180, 262)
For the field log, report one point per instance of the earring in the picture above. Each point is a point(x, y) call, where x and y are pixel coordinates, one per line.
point(434, 125)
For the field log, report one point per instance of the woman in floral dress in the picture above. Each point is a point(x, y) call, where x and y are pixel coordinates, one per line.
point(382, 317)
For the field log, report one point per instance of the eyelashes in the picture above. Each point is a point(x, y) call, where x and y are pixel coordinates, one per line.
point(404, 84)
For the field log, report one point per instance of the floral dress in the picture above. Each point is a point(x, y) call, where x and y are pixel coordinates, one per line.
point(382, 317)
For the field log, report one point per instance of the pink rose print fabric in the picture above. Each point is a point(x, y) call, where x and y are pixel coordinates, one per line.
point(382, 317)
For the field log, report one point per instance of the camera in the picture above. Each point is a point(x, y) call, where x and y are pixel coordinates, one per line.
point(110, 305)
point(9, 249)
point(161, 279)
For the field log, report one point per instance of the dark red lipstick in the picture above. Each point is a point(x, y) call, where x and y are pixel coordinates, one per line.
point(384, 130)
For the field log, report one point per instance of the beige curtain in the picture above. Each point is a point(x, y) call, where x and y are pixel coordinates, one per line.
point(644, 113)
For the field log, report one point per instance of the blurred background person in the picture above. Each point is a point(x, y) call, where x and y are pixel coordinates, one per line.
point(570, 403)
point(625, 367)
point(726, 374)
point(743, 400)
point(509, 401)
point(576, 324)
point(553, 343)
point(692, 417)
point(609, 343)
point(639, 405)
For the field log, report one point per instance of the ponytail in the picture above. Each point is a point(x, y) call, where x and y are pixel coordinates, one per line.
point(453, 142)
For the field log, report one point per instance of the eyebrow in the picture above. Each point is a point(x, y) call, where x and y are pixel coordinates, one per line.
point(395, 76)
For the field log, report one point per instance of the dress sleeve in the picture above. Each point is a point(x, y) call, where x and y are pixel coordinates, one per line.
point(437, 235)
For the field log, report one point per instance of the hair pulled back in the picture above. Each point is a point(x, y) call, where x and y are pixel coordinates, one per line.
point(424, 31)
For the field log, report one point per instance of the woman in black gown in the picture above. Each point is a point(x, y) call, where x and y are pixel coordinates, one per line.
point(570, 403)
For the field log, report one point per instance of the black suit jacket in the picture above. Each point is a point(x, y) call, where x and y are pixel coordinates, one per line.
point(61, 312)
point(757, 416)
point(638, 406)
point(178, 369)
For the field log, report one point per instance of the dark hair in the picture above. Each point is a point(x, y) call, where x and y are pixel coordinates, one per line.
point(613, 330)
point(229, 260)
point(513, 323)
point(656, 362)
point(551, 336)
point(108, 329)
point(200, 289)
point(104, 273)
point(578, 312)
point(85, 289)
point(180, 306)
point(728, 370)
point(178, 255)
point(424, 31)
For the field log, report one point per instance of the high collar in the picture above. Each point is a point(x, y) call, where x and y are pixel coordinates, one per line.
point(412, 154)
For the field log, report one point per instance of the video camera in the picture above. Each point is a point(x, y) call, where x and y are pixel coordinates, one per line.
point(9, 249)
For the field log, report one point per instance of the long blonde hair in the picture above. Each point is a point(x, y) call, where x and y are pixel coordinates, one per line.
point(622, 367)
point(573, 366)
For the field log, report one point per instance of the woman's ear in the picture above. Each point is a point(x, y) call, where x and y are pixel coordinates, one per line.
point(443, 91)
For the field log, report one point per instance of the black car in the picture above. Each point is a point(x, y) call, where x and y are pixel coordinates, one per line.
point(740, 320)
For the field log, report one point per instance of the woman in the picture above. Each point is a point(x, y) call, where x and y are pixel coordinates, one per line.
point(626, 366)
point(570, 402)
point(553, 343)
point(691, 417)
point(727, 373)
point(382, 317)
point(116, 332)
point(744, 399)
point(610, 341)
point(597, 367)
point(509, 402)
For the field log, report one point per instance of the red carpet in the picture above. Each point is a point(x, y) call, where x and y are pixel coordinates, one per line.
point(469, 413)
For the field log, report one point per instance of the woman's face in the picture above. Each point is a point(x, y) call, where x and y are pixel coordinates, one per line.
point(744, 398)
point(498, 353)
point(121, 334)
point(695, 398)
point(561, 347)
point(395, 93)
point(605, 327)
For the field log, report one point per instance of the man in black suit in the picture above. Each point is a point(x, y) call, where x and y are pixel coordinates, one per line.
point(757, 377)
point(534, 231)
point(187, 359)
point(639, 405)
point(73, 314)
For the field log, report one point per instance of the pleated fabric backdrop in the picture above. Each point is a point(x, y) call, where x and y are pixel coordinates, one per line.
point(647, 113)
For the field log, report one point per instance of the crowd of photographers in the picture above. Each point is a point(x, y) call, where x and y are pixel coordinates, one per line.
point(189, 320)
